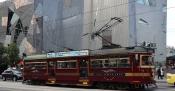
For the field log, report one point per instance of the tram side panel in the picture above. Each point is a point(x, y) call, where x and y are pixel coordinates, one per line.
point(110, 69)
point(121, 70)
point(35, 70)
point(67, 76)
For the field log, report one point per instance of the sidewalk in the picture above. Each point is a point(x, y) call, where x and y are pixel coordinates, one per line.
point(160, 80)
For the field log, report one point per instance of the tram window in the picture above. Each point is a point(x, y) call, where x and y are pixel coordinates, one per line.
point(51, 64)
point(65, 64)
point(83, 63)
point(96, 63)
point(104, 63)
point(28, 66)
point(147, 60)
point(38, 65)
point(123, 62)
point(113, 62)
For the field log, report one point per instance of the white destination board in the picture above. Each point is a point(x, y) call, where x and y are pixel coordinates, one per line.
point(68, 54)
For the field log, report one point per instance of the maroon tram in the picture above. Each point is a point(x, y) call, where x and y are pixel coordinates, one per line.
point(107, 68)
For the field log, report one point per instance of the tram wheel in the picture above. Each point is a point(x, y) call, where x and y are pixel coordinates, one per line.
point(101, 85)
point(142, 86)
point(112, 86)
point(122, 86)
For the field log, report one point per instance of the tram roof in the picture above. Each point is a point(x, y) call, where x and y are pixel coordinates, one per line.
point(124, 50)
point(36, 57)
point(97, 52)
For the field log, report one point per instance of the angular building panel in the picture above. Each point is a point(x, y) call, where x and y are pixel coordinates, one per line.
point(58, 25)
point(62, 19)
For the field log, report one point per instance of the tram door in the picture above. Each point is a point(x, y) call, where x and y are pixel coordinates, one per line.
point(51, 69)
point(83, 68)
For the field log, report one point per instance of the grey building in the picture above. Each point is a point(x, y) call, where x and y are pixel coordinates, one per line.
point(3, 20)
point(151, 25)
point(61, 25)
point(143, 21)
point(15, 19)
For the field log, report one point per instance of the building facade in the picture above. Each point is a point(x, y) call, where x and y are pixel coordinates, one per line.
point(170, 51)
point(144, 21)
point(151, 25)
point(60, 25)
point(15, 20)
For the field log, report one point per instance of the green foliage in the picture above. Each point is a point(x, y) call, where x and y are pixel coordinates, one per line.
point(3, 64)
point(8, 56)
point(1, 50)
point(12, 52)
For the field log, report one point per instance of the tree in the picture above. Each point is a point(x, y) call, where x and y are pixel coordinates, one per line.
point(1, 51)
point(3, 64)
point(12, 54)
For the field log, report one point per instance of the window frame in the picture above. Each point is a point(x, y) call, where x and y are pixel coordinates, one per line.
point(110, 61)
point(97, 60)
point(146, 66)
point(66, 61)
point(128, 59)
point(34, 65)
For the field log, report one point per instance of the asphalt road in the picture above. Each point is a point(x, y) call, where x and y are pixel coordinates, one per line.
point(18, 86)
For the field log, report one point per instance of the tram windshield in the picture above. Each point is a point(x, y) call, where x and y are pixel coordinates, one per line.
point(147, 61)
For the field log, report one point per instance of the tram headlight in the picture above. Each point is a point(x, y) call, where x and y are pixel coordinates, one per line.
point(85, 83)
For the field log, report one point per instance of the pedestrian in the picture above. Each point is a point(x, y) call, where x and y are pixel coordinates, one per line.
point(158, 73)
point(161, 73)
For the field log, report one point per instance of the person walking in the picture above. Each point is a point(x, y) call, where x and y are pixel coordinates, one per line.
point(158, 73)
point(161, 73)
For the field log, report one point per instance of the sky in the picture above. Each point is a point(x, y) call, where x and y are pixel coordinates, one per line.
point(2, 0)
point(170, 23)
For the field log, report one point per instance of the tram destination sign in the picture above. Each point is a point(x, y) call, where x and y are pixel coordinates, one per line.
point(68, 54)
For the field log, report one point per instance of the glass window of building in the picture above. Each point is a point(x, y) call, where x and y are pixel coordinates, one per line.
point(164, 8)
point(147, 2)
point(141, 2)
point(152, 3)
point(67, 3)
